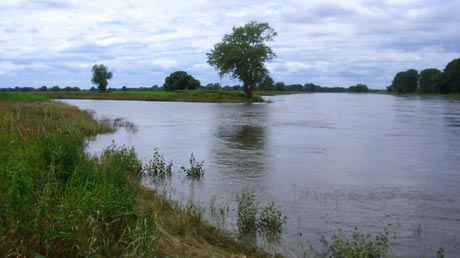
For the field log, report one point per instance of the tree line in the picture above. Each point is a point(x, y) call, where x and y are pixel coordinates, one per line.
point(278, 86)
point(430, 80)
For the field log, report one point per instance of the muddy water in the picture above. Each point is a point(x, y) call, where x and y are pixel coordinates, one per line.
point(329, 161)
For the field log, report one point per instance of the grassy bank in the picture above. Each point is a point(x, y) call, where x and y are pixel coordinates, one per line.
point(219, 96)
point(58, 202)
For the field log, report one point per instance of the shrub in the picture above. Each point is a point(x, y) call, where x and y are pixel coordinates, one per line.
point(157, 166)
point(247, 213)
point(360, 246)
point(271, 220)
point(196, 170)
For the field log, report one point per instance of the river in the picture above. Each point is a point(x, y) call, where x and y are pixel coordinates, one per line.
point(328, 161)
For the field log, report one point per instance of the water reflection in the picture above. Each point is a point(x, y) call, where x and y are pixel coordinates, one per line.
point(240, 139)
point(246, 137)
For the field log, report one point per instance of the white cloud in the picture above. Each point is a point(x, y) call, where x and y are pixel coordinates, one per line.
point(332, 42)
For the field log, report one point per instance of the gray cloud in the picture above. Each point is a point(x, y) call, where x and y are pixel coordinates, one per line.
point(332, 43)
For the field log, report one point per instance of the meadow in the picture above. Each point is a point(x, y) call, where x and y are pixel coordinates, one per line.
point(220, 96)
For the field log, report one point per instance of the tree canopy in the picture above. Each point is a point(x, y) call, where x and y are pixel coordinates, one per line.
point(405, 82)
point(180, 80)
point(451, 76)
point(359, 88)
point(243, 53)
point(430, 80)
point(100, 76)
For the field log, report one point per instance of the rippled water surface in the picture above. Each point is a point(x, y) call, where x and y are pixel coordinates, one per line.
point(329, 161)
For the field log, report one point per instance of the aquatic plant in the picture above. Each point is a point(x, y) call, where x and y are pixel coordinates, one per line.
point(157, 165)
point(359, 246)
point(247, 213)
point(271, 220)
point(196, 170)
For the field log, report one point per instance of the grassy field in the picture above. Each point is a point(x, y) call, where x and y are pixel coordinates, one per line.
point(219, 96)
point(58, 202)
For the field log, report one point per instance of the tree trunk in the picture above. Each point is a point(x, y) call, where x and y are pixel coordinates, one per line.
point(248, 91)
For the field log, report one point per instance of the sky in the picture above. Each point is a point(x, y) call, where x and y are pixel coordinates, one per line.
point(329, 43)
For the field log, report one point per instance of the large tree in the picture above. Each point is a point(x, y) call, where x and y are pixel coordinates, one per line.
point(405, 82)
point(243, 53)
point(429, 80)
point(180, 80)
point(451, 76)
point(100, 76)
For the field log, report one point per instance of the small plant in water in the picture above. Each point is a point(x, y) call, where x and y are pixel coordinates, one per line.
point(360, 246)
point(247, 213)
point(196, 170)
point(157, 166)
point(271, 220)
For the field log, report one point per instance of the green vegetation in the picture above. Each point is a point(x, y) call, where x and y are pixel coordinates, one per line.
point(22, 97)
point(243, 53)
point(196, 170)
point(100, 76)
point(178, 95)
point(358, 88)
point(359, 246)
point(405, 82)
point(429, 80)
point(268, 222)
point(180, 80)
point(271, 220)
point(247, 213)
point(157, 166)
point(58, 202)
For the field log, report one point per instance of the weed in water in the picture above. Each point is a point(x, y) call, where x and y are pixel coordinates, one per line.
point(157, 166)
point(196, 170)
point(360, 246)
point(271, 220)
point(247, 213)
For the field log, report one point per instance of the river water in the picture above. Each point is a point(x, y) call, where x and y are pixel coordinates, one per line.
point(328, 161)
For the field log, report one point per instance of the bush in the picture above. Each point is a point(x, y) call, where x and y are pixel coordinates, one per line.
point(247, 213)
point(157, 166)
point(360, 246)
point(181, 80)
point(271, 220)
point(196, 170)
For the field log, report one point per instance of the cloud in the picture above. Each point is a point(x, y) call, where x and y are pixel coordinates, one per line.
point(332, 43)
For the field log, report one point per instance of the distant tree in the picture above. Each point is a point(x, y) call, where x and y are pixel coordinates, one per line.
point(451, 76)
point(405, 82)
point(294, 87)
point(243, 53)
point(358, 88)
point(100, 76)
point(213, 86)
point(55, 88)
point(267, 84)
point(430, 80)
point(43, 88)
point(68, 88)
point(92, 89)
point(279, 86)
point(180, 80)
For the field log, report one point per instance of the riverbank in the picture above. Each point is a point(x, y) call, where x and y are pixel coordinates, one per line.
point(58, 202)
point(216, 96)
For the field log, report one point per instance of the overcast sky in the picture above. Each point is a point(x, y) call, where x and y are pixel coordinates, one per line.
point(330, 43)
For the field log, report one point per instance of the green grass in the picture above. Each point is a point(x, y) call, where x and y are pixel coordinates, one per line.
point(58, 202)
point(21, 97)
point(220, 96)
